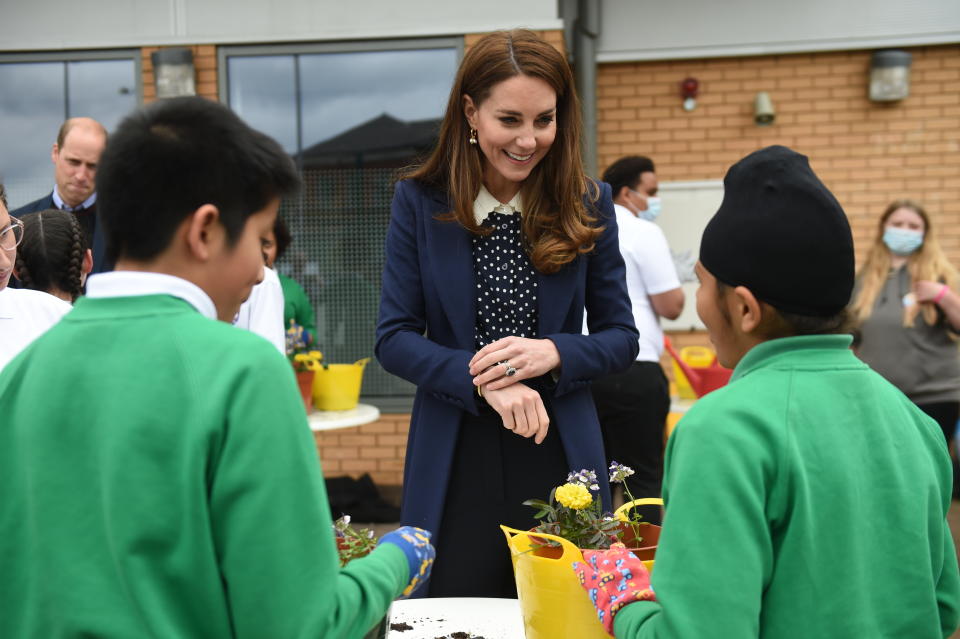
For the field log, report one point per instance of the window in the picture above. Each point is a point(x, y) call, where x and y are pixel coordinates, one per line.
point(350, 115)
point(39, 91)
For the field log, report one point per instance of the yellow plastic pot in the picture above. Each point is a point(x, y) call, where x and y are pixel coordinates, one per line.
point(553, 603)
point(337, 386)
point(694, 356)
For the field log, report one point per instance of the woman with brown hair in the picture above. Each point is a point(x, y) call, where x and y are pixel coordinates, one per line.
point(908, 313)
point(497, 244)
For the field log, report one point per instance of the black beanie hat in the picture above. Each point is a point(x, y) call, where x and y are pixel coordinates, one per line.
point(781, 233)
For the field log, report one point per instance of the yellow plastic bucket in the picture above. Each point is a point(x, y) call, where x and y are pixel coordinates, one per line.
point(695, 356)
point(337, 386)
point(553, 603)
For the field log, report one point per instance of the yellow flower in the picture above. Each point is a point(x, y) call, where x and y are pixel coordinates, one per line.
point(575, 496)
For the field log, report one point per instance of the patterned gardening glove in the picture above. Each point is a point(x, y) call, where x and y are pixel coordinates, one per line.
point(415, 544)
point(613, 578)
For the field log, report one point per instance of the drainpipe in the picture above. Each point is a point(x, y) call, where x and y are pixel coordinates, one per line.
point(586, 28)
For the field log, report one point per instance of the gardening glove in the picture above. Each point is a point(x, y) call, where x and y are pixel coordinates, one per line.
point(415, 544)
point(613, 578)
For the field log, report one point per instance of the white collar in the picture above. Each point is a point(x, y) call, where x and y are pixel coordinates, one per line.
point(486, 204)
point(60, 204)
point(135, 283)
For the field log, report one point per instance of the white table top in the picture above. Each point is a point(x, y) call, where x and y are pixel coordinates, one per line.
point(480, 617)
point(332, 419)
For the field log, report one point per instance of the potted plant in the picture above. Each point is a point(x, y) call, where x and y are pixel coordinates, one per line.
point(353, 544)
point(571, 520)
point(574, 513)
point(305, 362)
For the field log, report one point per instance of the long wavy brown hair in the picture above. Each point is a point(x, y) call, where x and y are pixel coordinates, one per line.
point(557, 226)
point(926, 263)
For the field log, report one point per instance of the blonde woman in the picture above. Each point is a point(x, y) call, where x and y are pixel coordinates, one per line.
point(908, 313)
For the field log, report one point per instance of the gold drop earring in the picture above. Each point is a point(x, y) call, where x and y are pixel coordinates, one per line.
point(473, 136)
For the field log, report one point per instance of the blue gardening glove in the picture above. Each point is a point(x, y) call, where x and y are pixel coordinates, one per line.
point(613, 578)
point(415, 544)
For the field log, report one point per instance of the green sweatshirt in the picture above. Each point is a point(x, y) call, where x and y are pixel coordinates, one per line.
point(807, 499)
point(159, 480)
point(296, 305)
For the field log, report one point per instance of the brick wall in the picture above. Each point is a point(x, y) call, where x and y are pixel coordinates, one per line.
point(204, 62)
point(553, 36)
point(867, 153)
point(377, 448)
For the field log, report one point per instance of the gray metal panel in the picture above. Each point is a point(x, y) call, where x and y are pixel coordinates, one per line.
point(55, 24)
point(651, 30)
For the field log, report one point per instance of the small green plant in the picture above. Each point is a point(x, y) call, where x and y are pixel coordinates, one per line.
point(574, 513)
point(352, 543)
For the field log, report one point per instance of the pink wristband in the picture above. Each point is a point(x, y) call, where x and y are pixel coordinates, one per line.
point(941, 294)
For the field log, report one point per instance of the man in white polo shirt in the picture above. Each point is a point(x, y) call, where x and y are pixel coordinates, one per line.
point(633, 405)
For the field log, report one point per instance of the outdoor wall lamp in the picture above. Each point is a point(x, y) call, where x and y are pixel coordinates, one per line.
point(173, 72)
point(763, 113)
point(889, 75)
point(689, 88)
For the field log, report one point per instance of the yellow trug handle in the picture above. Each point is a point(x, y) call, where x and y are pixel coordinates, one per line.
point(568, 547)
point(622, 511)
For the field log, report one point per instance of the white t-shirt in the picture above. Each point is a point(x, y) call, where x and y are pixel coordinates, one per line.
point(262, 313)
point(650, 271)
point(25, 315)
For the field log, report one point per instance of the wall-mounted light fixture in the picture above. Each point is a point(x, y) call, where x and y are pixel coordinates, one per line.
point(889, 75)
point(689, 88)
point(763, 113)
point(173, 72)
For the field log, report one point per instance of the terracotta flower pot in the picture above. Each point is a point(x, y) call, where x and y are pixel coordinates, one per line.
point(645, 549)
point(305, 382)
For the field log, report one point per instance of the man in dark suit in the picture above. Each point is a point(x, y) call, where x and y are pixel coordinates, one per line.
point(75, 155)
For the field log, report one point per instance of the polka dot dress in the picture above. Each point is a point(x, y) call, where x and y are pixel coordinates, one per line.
point(506, 282)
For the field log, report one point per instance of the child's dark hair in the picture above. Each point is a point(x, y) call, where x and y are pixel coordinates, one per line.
point(50, 258)
point(626, 171)
point(793, 324)
point(282, 236)
point(171, 157)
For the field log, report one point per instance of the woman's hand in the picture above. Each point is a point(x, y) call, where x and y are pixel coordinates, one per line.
point(927, 291)
point(521, 409)
point(527, 357)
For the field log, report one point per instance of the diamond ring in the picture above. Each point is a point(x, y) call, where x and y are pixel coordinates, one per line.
point(510, 370)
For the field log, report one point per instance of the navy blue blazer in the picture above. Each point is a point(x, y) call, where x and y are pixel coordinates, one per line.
point(100, 261)
point(425, 335)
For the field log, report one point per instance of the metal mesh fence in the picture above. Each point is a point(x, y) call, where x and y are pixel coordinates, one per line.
point(339, 225)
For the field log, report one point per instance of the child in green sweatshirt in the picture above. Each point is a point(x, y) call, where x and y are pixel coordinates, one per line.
point(807, 498)
point(159, 477)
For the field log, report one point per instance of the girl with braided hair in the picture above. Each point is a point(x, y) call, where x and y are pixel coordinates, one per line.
point(53, 256)
point(24, 314)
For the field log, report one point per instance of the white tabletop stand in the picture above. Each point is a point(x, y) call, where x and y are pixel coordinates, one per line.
point(439, 617)
point(333, 419)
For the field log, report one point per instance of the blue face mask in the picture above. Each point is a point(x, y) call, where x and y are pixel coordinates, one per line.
point(902, 241)
point(653, 209)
